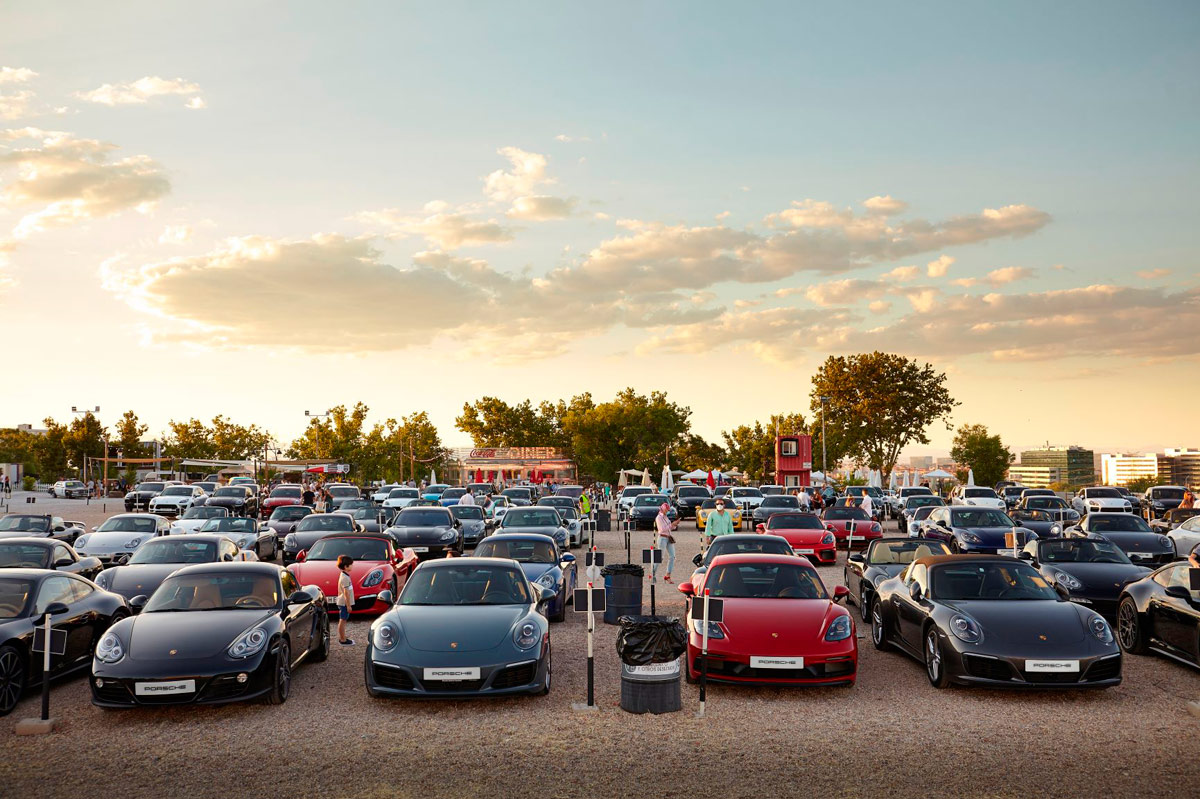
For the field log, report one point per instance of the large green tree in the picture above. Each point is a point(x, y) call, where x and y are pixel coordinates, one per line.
point(985, 454)
point(190, 439)
point(84, 439)
point(630, 431)
point(492, 422)
point(50, 450)
point(129, 433)
point(233, 441)
point(338, 436)
point(878, 403)
point(693, 452)
point(751, 448)
point(19, 446)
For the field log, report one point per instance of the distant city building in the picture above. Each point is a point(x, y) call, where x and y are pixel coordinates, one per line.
point(28, 428)
point(948, 464)
point(1039, 468)
point(1118, 469)
point(1180, 466)
point(920, 462)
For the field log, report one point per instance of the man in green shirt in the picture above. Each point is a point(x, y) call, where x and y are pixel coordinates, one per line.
point(719, 522)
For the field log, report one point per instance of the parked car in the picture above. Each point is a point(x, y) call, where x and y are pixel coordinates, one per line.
point(883, 559)
point(284, 520)
point(239, 500)
point(916, 524)
point(1186, 536)
point(205, 627)
point(40, 525)
point(805, 533)
point(1161, 613)
point(1130, 533)
point(980, 496)
point(688, 498)
point(69, 489)
point(841, 520)
point(378, 567)
point(473, 521)
point(914, 501)
point(142, 493)
point(434, 491)
point(282, 496)
point(1100, 499)
point(46, 553)
point(429, 531)
point(401, 497)
point(991, 620)
point(533, 519)
point(1011, 494)
point(1158, 500)
point(707, 506)
point(1047, 516)
point(252, 536)
point(158, 558)
point(974, 530)
point(1173, 519)
point(119, 536)
point(462, 627)
point(175, 499)
point(740, 544)
point(1089, 571)
point(645, 509)
point(629, 494)
point(311, 529)
point(772, 504)
point(194, 518)
point(452, 495)
point(544, 564)
point(340, 493)
point(744, 497)
point(382, 492)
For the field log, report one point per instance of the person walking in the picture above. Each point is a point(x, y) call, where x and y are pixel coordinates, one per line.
point(804, 500)
point(664, 540)
point(719, 522)
point(307, 497)
point(868, 506)
point(585, 505)
point(1189, 499)
point(467, 498)
point(345, 597)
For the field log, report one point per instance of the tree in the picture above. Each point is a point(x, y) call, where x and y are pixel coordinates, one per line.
point(492, 422)
point(50, 451)
point(237, 442)
point(1140, 485)
point(18, 446)
point(84, 439)
point(630, 431)
point(187, 440)
point(879, 403)
point(973, 448)
point(752, 448)
point(129, 433)
point(693, 452)
point(338, 436)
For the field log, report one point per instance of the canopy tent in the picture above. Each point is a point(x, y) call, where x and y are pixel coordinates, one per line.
point(695, 474)
point(817, 477)
point(938, 474)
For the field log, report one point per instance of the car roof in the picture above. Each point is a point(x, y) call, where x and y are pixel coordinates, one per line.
point(252, 567)
point(32, 573)
point(192, 537)
point(759, 557)
point(518, 537)
point(23, 539)
point(440, 563)
point(348, 534)
point(937, 560)
point(750, 537)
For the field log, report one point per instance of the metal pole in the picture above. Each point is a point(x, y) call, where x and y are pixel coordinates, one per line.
point(704, 656)
point(824, 462)
point(591, 672)
point(46, 673)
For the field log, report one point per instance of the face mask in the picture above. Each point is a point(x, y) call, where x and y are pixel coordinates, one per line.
point(720, 507)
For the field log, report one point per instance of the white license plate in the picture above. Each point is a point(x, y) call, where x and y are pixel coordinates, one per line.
point(805, 551)
point(1052, 665)
point(452, 675)
point(160, 688)
point(420, 549)
point(776, 663)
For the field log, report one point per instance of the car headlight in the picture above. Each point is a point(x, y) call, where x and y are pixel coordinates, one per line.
point(449, 535)
point(289, 541)
point(133, 543)
point(525, 635)
point(714, 630)
point(102, 579)
point(109, 650)
point(966, 629)
point(839, 629)
point(1166, 542)
point(828, 538)
point(385, 636)
point(971, 538)
point(548, 580)
point(79, 542)
point(1100, 629)
point(1055, 529)
point(245, 542)
point(1067, 581)
point(374, 578)
point(248, 643)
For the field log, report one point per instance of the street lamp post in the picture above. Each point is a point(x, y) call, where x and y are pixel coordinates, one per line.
point(824, 462)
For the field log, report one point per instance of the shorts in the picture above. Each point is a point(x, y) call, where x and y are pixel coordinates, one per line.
point(343, 613)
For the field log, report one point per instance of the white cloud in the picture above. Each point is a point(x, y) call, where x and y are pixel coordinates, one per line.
point(844, 292)
point(563, 137)
point(143, 90)
point(16, 74)
point(527, 173)
point(1154, 274)
point(175, 234)
point(195, 103)
point(1009, 274)
point(541, 207)
point(902, 273)
point(16, 105)
point(445, 229)
point(887, 205)
point(939, 266)
point(880, 307)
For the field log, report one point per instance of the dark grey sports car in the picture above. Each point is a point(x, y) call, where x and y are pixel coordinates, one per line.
point(992, 620)
point(776, 503)
point(156, 559)
point(284, 519)
point(462, 627)
point(46, 553)
point(738, 544)
point(1129, 532)
point(473, 521)
point(239, 500)
point(883, 559)
point(534, 519)
point(313, 528)
point(431, 531)
point(1046, 516)
point(1091, 571)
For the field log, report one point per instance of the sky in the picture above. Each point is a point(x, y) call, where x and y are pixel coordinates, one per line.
point(259, 208)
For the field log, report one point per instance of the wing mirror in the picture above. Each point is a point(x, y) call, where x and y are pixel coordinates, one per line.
point(698, 559)
point(301, 555)
point(760, 528)
point(914, 591)
point(548, 594)
point(857, 557)
point(385, 596)
point(567, 558)
point(1023, 555)
point(687, 589)
point(1177, 591)
point(56, 609)
point(299, 597)
point(124, 559)
point(840, 592)
point(62, 563)
point(138, 602)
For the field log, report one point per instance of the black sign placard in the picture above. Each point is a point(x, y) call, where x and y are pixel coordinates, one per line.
point(58, 640)
point(716, 609)
point(581, 600)
point(652, 556)
point(1194, 576)
point(594, 559)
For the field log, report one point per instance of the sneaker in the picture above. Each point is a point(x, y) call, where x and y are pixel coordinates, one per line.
point(347, 642)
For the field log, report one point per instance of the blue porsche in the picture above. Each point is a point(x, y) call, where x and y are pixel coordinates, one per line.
point(542, 562)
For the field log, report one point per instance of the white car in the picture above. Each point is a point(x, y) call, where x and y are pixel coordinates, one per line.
point(1100, 499)
point(383, 492)
point(174, 500)
point(1186, 536)
point(69, 489)
point(904, 492)
point(743, 496)
point(194, 518)
point(631, 493)
point(770, 489)
point(979, 496)
point(401, 496)
point(119, 536)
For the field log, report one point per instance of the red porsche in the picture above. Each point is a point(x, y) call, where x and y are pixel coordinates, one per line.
point(780, 626)
point(378, 566)
point(838, 521)
point(806, 533)
point(281, 496)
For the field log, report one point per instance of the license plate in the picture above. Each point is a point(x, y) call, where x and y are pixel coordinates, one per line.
point(1052, 665)
point(805, 551)
point(160, 688)
point(420, 549)
point(452, 675)
point(776, 663)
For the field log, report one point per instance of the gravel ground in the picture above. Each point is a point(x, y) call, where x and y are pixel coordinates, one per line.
point(889, 735)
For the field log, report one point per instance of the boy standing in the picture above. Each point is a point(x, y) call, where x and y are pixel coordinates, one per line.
point(345, 597)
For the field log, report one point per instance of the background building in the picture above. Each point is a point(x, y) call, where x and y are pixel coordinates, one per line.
point(920, 462)
point(1124, 469)
point(1180, 466)
point(1039, 468)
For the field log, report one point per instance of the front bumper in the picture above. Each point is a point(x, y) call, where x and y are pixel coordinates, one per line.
point(502, 679)
point(838, 666)
point(1101, 671)
point(118, 688)
point(170, 511)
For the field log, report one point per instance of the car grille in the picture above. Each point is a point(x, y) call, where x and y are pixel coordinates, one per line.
point(515, 675)
point(223, 687)
point(1105, 669)
point(987, 668)
point(364, 603)
point(1044, 677)
point(817, 671)
point(113, 691)
point(439, 686)
point(392, 677)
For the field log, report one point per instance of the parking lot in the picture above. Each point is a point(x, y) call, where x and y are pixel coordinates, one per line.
point(890, 734)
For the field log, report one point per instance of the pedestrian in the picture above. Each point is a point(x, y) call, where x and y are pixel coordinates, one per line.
point(663, 528)
point(585, 506)
point(868, 506)
point(91, 486)
point(345, 597)
point(719, 522)
point(804, 500)
point(467, 498)
point(307, 497)
point(1189, 499)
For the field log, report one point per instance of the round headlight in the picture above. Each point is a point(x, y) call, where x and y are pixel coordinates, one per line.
point(966, 629)
point(525, 635)
point(1067, 581)
point(131, 544)
point(248, 643)
point(449, 535)
point(289, 541)
point(1100, 629)
point(109, 650)
point(385, 636)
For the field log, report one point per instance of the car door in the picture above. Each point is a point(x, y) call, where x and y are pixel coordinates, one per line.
point(937, 525)
point(910, 613)
point(299, 619)
point(61, 559)
point(1177, 620)
point(77, 621)
point(854, 571)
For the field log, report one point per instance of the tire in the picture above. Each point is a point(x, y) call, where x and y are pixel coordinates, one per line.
point(281, 680)
point(935, 664)
point(12, 679)
point(1131, 632)
point(878, 630)
point(549, 669)
point(561, 615)
point(864, 604)
point(321, 653)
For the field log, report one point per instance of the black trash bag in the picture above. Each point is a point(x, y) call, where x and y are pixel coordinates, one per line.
point(650, 639)
point(623, 568)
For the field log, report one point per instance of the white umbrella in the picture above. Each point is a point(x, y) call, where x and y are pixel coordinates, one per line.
point(892, 481)
point(432, 476)
point(970, 477)
point(938, 474)
point(666, 479)
point(646, 478)
point(817, 477)
point(623, 480)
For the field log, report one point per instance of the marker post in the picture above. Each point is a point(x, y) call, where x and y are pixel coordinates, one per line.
point(628, 541)
point(849, 536)
point(49, 643)
point(652, 556)
point(592, 601)
point(704, 657)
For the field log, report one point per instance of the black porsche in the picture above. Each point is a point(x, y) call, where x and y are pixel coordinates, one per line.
point(80, 608)
point(46, 553)
point(1129, 532)
point(1046, 516)
point(992, 620)
point(312, 528)
point(1090, 571)
point(1161, 613)
point(883, 559)
point(431, 532)
point(212, 633)
point(156, 559)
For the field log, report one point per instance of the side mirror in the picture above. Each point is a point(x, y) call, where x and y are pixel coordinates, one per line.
point(698, 559)
point(857, 557)
point(58, 528)
point(56, 608)
point(1177, 591)
point(687, 589)
point(121, 561)
point(299, 598)
point(1063, 592)
point(1024, 555)
point(138, 602)
point(301, 555)
point(914, 591)
point(760, 528)
point(385, 596)
point(840, 592)
point(567, 558)
point(548, 594)
point(62, 563)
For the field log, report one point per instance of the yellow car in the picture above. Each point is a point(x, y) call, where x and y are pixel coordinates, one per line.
point(706, 508)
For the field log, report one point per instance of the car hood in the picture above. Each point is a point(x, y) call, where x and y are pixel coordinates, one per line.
point(307, 538)
point(1101, 578)
point(990, 536)
point(777, 626)
point(275, 502)
point(456, 628)
point(515, 528)
point(282, 527)
point(1138, 542)
point(222, 502)
point(171, 500)
point(1106, 502)
point(187, 526)
point(884, 571)
point(103, 542)
point(139, 579)
point(190, 635)
point(420, 536)
point(1037, 623)
point(802, 537)
point(324, 574)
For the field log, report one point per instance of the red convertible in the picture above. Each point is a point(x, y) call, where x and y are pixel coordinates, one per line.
point(838, 520)
point(806, 534)
point(377, 567)
point(780, 625)
point(281, 496)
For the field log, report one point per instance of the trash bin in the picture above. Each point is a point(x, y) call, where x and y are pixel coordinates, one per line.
point(622, 591)
point(604, 520)
point(649, 647)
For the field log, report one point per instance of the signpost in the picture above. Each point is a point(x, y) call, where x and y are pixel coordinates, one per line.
point(591, 600)
point(713, 611)
point(652, 556)
point(57, 646)
point(849, 536)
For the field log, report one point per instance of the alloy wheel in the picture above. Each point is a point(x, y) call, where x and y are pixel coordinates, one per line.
point(1127, 628)
point(12, 680)
point(933, 657)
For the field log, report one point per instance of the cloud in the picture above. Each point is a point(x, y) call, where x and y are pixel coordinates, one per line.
point(1009, 274)
point(562, 137)
point(880, 307)
point(527, 173)
point(843, 292)
point(939, 266)
point(541, 207)
point(175, 234)
point(73, 180)
point(143, 90)
point(887, 205)
point(195, 103)
point(445, 229)
point(1154, 274)
point(16, 105)
point(902, 273)
point(16, 74)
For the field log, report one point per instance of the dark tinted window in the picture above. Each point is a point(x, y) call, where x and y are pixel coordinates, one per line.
point(422, 517)
point(794, 521)
point(765, 581)
point(1117, 523)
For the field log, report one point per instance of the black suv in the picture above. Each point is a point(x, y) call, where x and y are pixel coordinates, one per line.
point(686, 498)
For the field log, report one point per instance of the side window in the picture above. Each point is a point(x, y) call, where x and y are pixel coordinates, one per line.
point(290, 586)
point(61, 553)
point(918, 576)
point(1163, 578)
point(54, 589)
point(80, 589)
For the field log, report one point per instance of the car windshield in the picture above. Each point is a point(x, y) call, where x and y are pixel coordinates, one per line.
point(214, 592)
point(473, 512)
point(709, 504)
point(568, 513)
point(422, 517)
point(836, 514)
point(203, 512)
point(290, 513)
point(997, 580)
point(522, 551)
point(693, 491)
point(172, 550)
point(916, 491)
point(403, 493)
point(794, 521)
point(453, 493)
point(979, 492)
point(370, 514)
point(1102, 493)
point(1079, 550)
point(14, 595)
point(23, 556)
point(982, 517)
point(635, 491)
point(25, 524)
point(1013, 491)
point(922, 512)
point(1117, 523)
point(230, 491)
point(1037, 492)
point(286, 493)
point(128, 524)
point(649, 501)
point(344, 491)
point(1046, 503)
point(767, 545)
point(765, 581)
point(780, 501)
point(436, 488)
point(884, 553)
point(372, 549)
point(469, 584)
point(230, 525)
point(531, 517)
point(745, 493)
point(325, 522)
point(177, 491)
point(922, 500)
point(151, 487)
point(1167, 493)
